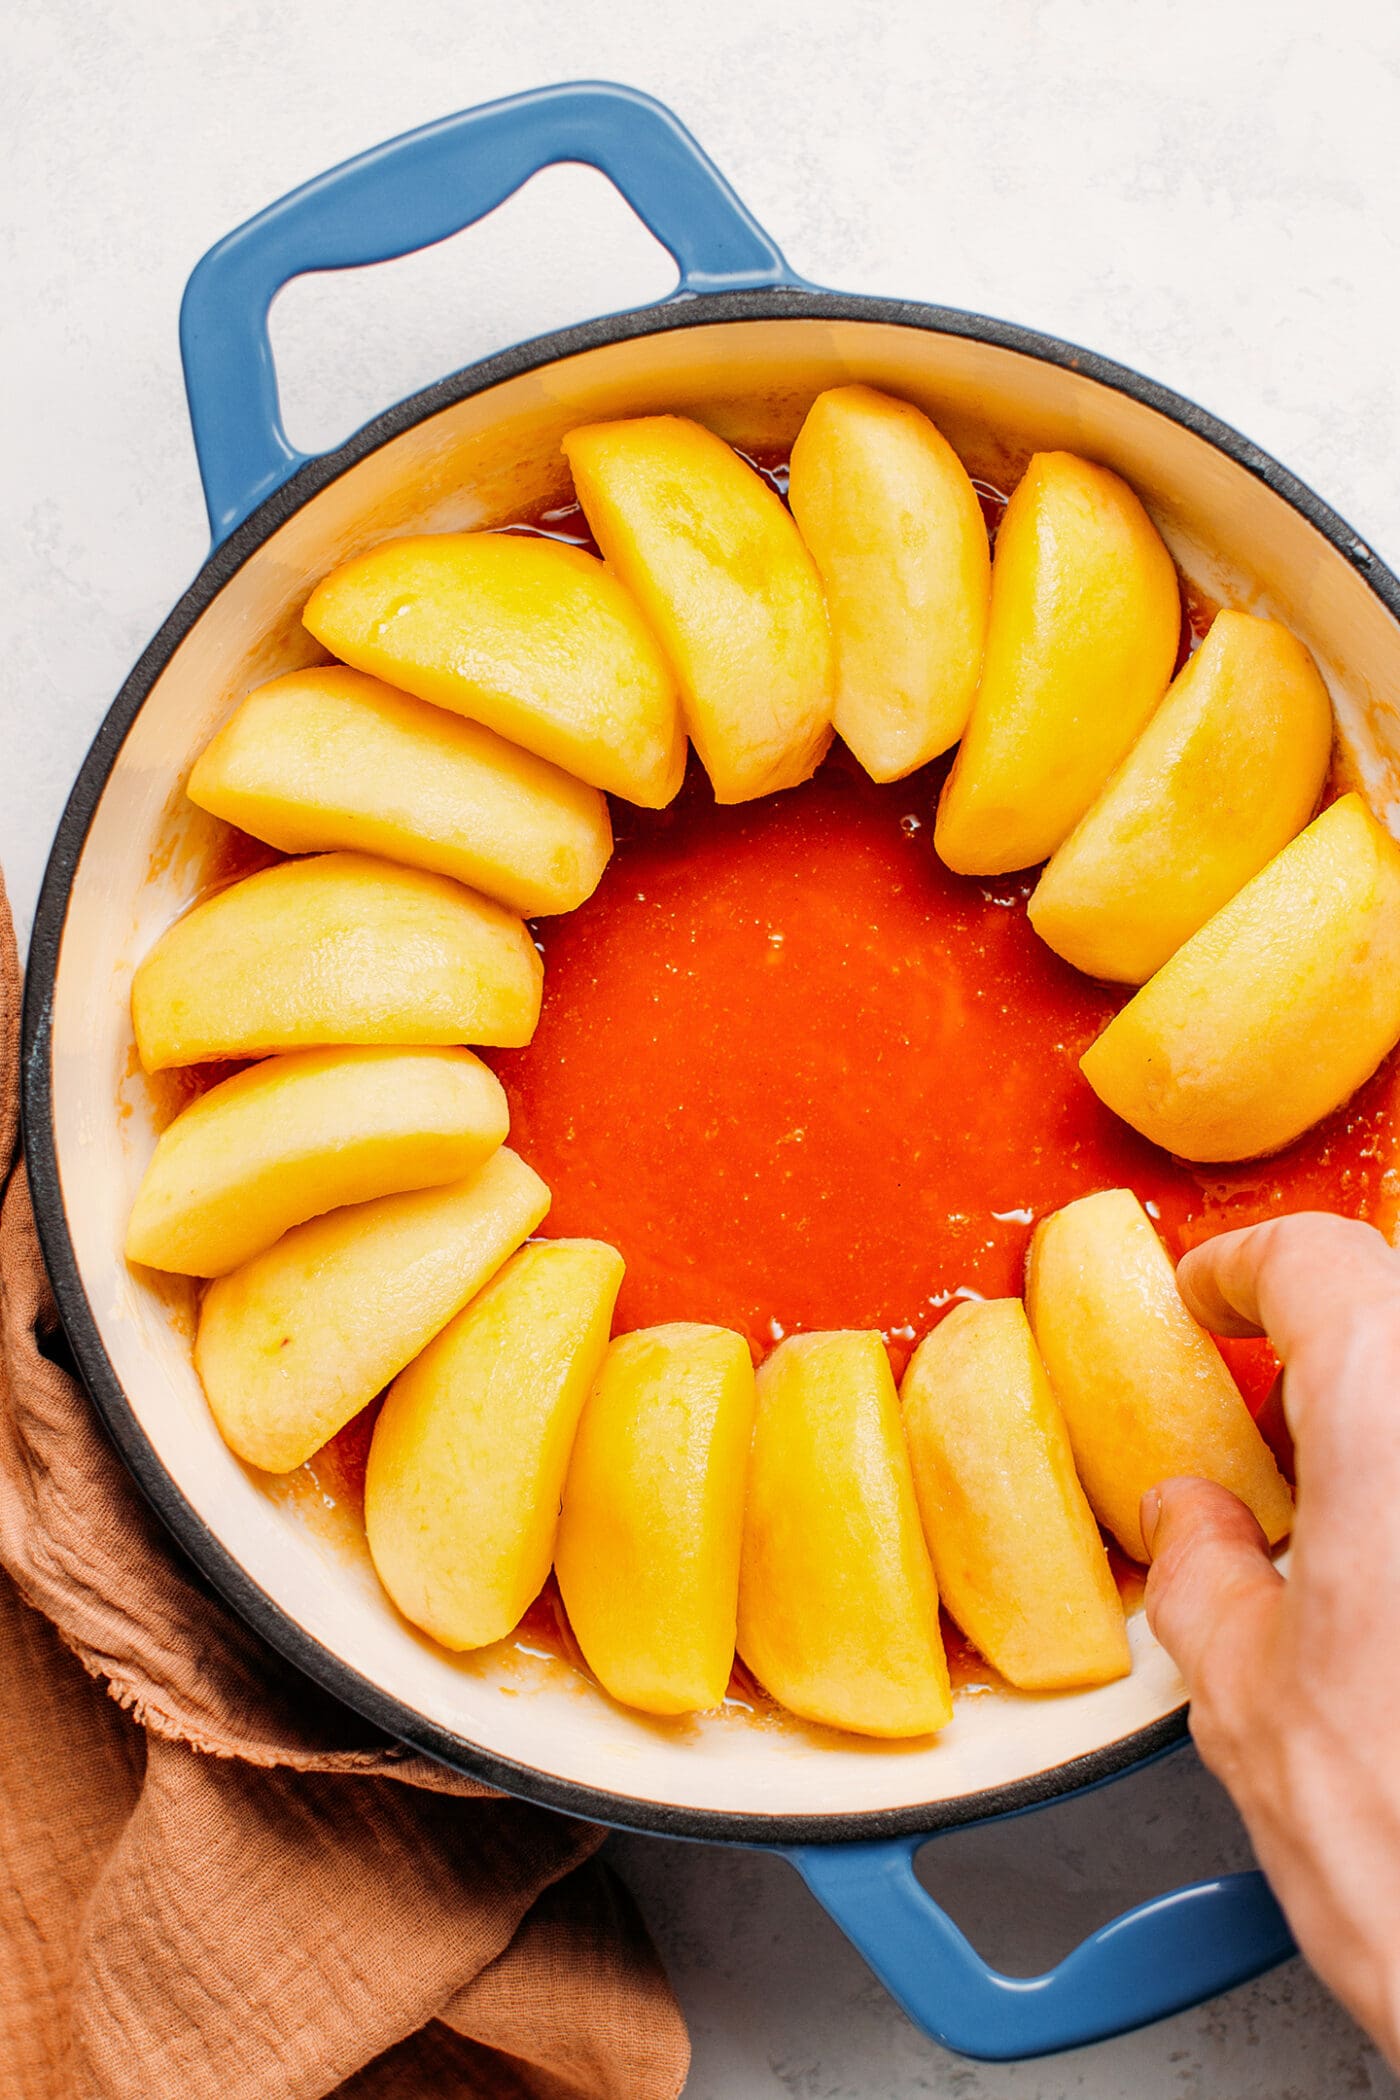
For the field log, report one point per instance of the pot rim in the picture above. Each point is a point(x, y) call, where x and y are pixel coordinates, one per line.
point(198, 1540)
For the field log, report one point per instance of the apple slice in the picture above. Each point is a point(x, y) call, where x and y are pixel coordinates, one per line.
point(337, 949)
point(1015, 1549)
point(838, 1611)
point(532, 638)
point(469, 1454)
point(648, 1548)
point(719, 569)
point(1082, 637)
point(1276, 1011)
point(299, 1135)
point(893, 522)
point(299, 1339)
point(1228, 770)
point(328, 758)
point(1144, 1390)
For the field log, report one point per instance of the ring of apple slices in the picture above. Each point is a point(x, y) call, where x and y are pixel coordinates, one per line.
point(363, 1226)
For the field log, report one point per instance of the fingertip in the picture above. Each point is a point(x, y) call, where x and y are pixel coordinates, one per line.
point(1210, 1282)
point(1209, 1558)
point(1149, 1515)
point(1288, 1276)
point(1189, 1509)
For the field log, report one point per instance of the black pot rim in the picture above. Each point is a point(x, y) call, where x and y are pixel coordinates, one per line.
point(199, 1541)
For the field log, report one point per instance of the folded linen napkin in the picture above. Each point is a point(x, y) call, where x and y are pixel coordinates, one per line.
point(216, 1883)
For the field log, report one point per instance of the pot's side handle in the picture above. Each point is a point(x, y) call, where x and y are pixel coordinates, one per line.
point(1166, 1955)
point(409, 193)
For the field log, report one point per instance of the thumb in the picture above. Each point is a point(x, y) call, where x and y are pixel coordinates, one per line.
point(1211, 1582)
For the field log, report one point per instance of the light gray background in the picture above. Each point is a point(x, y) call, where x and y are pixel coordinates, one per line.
point(1209, 191)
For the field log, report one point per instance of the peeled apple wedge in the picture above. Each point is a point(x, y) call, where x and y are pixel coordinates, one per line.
point(299, 1135)
point(838, 1611)
point(1081, 640)
point(468, 1458)
point(894, 526)
point(530, 637)
point(1276, 1011)
point(648, 1550)
point(327, 757)
point(299, 1339)
point(1143, 1389)
point(1017, 1555)
point(719, 569)
point(1227, 771)
point(337, 949)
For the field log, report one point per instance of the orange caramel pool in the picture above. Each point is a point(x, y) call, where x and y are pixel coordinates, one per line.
point(802, 1076)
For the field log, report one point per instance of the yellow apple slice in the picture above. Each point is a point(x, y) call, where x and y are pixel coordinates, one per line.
point(337, 949)
point(469, 1454)
point(1276, 1011)
point(648, 1548)
point(532, 638)
point(299, 1339)
point(298, 1135)
point(719, 569)
point(328, 757)
point(1082, 637)
point(838, 1611)
point(1015, 1549)
point(1228, 770)
point(1144, 1391)
point(893, 523)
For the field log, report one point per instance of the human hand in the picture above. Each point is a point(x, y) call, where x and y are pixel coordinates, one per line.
point(1295, 1685)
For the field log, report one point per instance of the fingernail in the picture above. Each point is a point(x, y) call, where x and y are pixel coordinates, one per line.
point(1149, 1515)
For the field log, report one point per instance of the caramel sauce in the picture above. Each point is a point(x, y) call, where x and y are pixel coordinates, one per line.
point(849, 1080)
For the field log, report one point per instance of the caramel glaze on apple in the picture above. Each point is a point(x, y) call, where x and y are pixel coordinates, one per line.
point(804, 1077)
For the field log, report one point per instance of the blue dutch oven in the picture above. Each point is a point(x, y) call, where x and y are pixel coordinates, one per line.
point(744, 344)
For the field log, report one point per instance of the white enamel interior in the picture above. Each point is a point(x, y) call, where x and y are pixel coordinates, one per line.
point(479, 463)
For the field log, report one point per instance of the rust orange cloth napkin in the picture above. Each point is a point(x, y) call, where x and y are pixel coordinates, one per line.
point(215, 1882)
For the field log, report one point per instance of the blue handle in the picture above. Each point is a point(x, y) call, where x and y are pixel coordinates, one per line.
point(1157, 1959)
point(409, 193)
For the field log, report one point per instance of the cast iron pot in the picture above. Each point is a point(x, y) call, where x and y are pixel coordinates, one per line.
point(745, 345)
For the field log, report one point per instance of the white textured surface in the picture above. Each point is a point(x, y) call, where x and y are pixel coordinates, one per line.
point(1208, 192)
